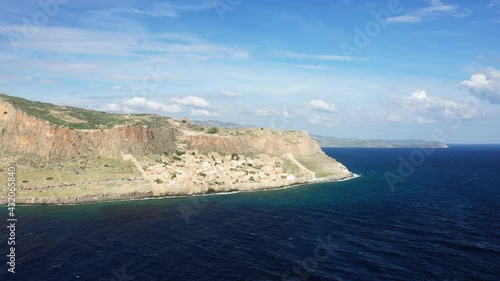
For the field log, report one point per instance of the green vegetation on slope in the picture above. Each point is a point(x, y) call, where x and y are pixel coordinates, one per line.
point(78, 118)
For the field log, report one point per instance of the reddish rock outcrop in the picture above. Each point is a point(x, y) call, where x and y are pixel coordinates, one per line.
point(21, 133)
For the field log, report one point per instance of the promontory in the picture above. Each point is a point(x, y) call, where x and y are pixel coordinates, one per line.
point(68, 155)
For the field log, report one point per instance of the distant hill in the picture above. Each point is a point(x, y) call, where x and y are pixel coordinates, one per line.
point(375, 143)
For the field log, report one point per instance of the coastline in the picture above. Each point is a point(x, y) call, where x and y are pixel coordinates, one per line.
point(147, 195)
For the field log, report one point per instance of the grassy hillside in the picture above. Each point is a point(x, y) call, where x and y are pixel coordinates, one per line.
point(78, 118)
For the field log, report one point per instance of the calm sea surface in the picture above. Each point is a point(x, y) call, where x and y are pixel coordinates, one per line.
point(441, 223)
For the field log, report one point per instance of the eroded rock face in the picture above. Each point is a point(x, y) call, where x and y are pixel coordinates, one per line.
point(213, 164)
point(271, 142)
point(21, 133)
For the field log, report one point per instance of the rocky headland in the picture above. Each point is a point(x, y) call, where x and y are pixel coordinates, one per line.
point(68, 155)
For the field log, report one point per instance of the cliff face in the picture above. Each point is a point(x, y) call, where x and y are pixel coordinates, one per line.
point(60, 164)
point(21, 133)
point(271, 142)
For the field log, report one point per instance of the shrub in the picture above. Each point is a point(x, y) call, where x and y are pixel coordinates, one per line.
point(179, 153)
point(26, 181)
point(158, 181)
point(49, 178)
point(235, 156)
point(173, 176)
point(213, 130)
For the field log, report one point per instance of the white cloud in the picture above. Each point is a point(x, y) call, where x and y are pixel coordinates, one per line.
point(420, 102)
point(116, 88)
point(321, 105)
point(239, 54)
point(438, 7)
point(203, 112)
point(404, 19)
point(485, 85)
point(321, 57)
point(230, 94)
point(493, 4)
point(114, 107)
point(286, 114)
point(263, 112)
point(422, 120)
point(392, 117)
point(435, 9)
point(317, 119)
point(142, 103)
point(156, 9)
point(68, 40)
point(191, 101)
point(380, 116)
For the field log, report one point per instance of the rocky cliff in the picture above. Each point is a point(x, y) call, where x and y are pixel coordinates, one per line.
point(22, 133)
point(54, 135)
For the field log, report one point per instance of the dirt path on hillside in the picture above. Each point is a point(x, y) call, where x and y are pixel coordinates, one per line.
point(301, 167)
point(137, 165)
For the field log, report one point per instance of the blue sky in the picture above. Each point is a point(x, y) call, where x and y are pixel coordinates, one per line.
point(367, 69)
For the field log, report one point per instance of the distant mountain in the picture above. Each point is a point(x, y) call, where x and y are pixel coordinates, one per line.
point(375, 143)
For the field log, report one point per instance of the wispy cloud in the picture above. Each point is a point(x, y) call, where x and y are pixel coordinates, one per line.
point(493, 4)
point(317, 119)
point(230, 94)
point(405, 19)
point(423, 120)
point(203, 112)
point(435, 9)
point(80, 41)
point(154, 9)
point(320, 57)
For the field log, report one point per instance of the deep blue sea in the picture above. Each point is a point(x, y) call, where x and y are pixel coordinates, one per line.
point(441, 223)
